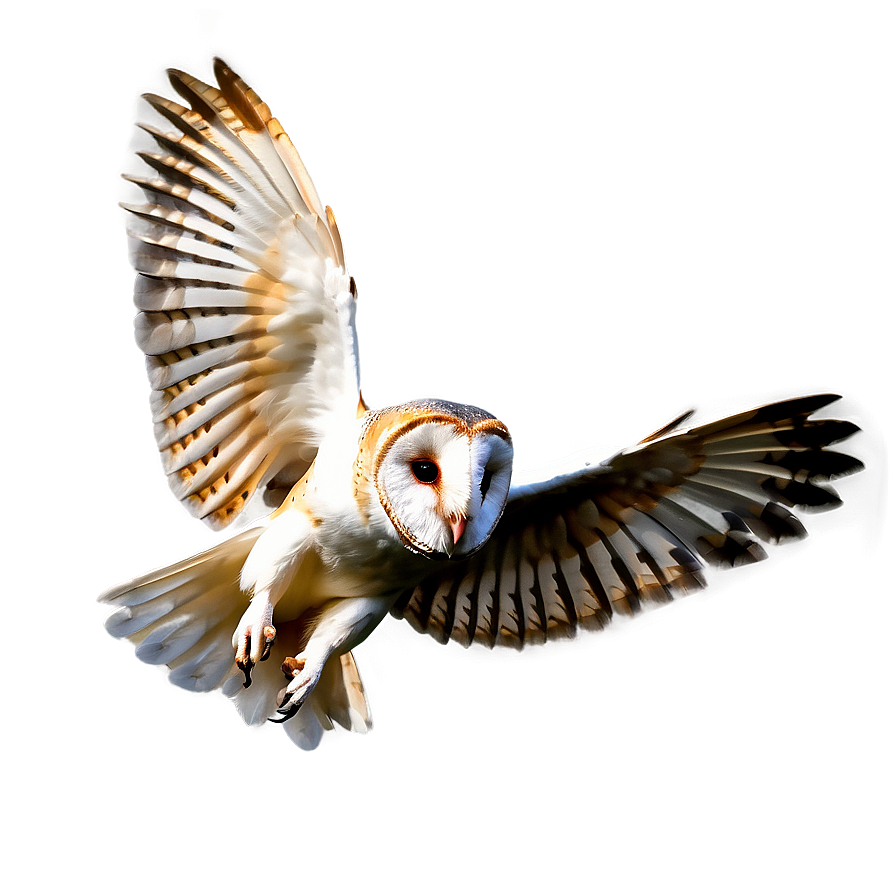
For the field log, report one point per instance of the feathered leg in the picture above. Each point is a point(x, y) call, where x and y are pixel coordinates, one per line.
point(340, 625)
point(338, 698)
point(267, 574)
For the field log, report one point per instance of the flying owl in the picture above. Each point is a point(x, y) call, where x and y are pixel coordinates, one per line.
point(247, 319)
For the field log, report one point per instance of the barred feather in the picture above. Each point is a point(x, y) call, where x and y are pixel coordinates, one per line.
point(241, 289)
point(575, 551)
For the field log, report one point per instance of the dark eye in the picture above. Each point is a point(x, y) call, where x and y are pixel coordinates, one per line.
point(486, 482)
point(425, 471)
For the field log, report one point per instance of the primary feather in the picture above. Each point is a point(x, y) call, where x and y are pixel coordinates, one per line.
point(573, 552)
point(246, 310)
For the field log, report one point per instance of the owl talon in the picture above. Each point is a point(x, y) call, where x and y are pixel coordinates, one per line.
point(301, 684)
point(270, 635)
point(254, 637)
point(286, 714)
point(291, 666)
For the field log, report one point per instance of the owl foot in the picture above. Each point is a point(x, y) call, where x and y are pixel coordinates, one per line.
point(253, 637)
point(302, 678)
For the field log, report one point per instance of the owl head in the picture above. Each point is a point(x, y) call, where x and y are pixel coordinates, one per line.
point(441, 473)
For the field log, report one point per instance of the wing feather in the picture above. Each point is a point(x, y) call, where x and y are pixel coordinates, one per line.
point(246, 309)
point(638, 529)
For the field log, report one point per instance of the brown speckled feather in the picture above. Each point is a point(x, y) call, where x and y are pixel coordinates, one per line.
point(242, 292)
point(572, 552)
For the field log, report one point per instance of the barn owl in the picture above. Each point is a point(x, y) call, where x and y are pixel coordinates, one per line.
point(247, 319)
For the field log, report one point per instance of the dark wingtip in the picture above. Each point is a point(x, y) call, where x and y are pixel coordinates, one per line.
point(221, 62)
point(842, 429)
point(797, 407)
point(671, 426)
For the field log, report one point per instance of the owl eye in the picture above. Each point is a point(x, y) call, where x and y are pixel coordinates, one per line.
point(486, 482)
point(425, 471)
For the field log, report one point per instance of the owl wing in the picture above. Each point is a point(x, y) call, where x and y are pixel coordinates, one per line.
point(246, 309)
point(572, 552)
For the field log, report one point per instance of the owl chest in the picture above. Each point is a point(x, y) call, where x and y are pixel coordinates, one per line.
point(356, 551)
point(364, 558)
point(348, 567)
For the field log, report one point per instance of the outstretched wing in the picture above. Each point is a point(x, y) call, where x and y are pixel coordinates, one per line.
point(246, 309)
point(637, 529)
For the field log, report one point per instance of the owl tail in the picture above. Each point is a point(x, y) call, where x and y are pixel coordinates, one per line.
point(184, 617)
point(338, 697)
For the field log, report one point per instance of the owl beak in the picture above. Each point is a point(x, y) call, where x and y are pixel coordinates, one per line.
point(458, 524)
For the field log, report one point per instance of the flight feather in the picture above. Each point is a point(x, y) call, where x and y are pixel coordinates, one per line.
point(637, 529)
point(246, 311)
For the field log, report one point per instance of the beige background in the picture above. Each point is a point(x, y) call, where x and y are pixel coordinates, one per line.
point(585, 218)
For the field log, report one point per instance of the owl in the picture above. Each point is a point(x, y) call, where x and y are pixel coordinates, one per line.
point(247, 320)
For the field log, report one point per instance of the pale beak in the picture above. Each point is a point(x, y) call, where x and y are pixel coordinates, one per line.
point(458, 524)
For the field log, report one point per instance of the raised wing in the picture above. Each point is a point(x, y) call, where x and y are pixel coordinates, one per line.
point(246, 309)
point(637, 529)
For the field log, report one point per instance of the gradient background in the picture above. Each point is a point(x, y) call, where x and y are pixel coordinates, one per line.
point(585, 218)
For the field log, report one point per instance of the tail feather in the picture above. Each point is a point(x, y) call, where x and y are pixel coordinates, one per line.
point(184, 616)
point(207, 664)
point(258, 703)
point(338, 698)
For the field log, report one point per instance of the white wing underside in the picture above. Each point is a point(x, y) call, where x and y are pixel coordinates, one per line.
point(246, 309)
